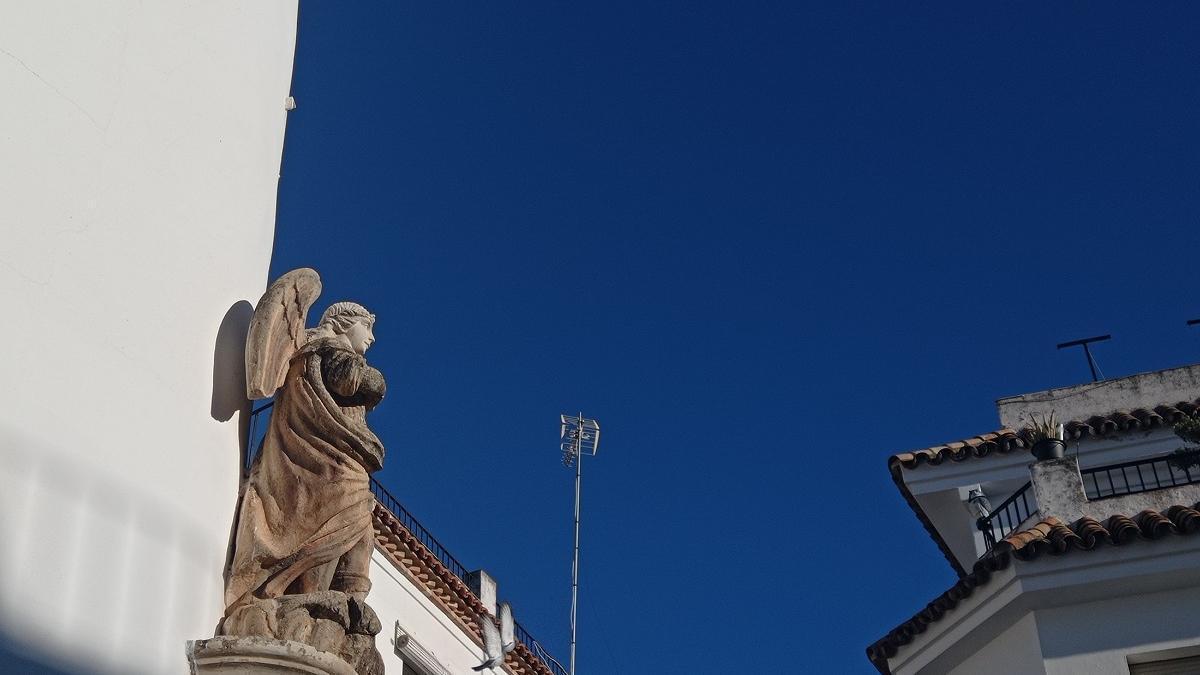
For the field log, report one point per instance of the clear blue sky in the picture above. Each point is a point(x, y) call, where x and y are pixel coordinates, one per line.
point(767, 245)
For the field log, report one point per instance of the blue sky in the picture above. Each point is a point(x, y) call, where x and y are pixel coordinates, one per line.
point(766, 246)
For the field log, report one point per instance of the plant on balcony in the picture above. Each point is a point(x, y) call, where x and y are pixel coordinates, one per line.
point(1045, 437)
point(1187, 457)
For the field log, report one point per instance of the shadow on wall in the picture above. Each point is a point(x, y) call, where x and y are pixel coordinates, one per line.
point(229, 392)
point(15, 660)
point(229, 368)
point(96, 574)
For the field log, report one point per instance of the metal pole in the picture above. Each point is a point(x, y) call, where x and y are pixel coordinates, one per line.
point(1091, 362)
point(575, 561)
point(1087, 351)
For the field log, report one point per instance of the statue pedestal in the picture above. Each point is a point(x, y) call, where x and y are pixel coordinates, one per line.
point(254, 655)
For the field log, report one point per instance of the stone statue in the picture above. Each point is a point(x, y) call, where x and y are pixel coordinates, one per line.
point(304, 536)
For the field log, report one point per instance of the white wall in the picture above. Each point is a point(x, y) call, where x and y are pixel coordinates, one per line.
point(394, 597)
point(141, 144)
point(1085, 613)
point(1081, 401)
point(1016, 650)
point(1097, 637)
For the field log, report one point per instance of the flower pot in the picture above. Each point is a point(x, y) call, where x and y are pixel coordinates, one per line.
point(1049, 448)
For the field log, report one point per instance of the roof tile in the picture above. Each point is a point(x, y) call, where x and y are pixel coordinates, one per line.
point(1050, 536)
point(449, 592)
point(1004, 441)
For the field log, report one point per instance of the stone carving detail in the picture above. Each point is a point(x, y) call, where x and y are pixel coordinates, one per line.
point(304, 537)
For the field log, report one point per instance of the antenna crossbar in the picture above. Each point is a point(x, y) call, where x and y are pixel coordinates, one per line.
point(1087, 351)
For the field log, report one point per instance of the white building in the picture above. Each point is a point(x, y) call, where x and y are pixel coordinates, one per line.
point(1086, 564)
point(141, 145)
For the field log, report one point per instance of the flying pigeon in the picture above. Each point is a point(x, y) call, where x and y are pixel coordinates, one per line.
point(496, 642)
point(507, 641)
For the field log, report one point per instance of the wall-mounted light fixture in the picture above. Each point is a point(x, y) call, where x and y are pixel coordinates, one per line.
point(412, 652)
point(978, 503)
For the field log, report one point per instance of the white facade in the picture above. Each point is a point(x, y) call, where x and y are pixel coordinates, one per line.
point(141, 146)
point(1086, 613)
point(433, 632)
point(1017, 649)
point(1067, 610)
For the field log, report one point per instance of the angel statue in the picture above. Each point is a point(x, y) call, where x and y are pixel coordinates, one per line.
point(304, 536)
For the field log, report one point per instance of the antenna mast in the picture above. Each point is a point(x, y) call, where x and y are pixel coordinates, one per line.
point(1087, 351)
point(578, 436)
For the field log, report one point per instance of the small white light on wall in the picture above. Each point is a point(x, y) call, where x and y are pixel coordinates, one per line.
point(289, 104)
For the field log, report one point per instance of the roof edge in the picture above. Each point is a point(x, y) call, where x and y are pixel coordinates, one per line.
point(1048, 536)
point(420, 566)
point(897, 478)
point(1006, 440)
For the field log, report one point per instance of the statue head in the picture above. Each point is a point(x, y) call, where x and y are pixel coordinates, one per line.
point(350, 321)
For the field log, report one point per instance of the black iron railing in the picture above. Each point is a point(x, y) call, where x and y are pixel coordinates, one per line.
point(1137, 476)
point(260, 420)
point(1007, 517)
point(1101, 482)
point(418, 530)
point(534, 646)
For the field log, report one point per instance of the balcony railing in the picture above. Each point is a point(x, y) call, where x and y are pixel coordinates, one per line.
point(1007, 517)
point(1137, 476)
point(1101, 482)
point(259, 421)
point(534, 646)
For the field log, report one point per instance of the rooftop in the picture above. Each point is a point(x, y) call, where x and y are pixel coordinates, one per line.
point(1144, 495)
point(1153, 400)
point(1096, 409)
point(1050, 536)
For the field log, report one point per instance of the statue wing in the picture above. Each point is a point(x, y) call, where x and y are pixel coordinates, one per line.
point(277, 330)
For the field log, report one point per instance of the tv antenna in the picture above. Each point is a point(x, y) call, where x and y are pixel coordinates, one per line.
point(578, 436)
point(1087, 351)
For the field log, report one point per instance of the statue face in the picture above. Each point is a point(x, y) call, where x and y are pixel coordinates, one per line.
point(360, 336)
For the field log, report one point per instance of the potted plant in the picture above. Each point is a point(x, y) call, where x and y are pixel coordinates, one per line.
point(1187, 458)
point(1045, 437)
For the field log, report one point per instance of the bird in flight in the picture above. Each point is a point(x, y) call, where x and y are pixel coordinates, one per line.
point(496, 641)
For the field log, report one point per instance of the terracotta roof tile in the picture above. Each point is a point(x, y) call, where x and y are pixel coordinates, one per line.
point(1004, 441)
point(444, 587)
point(1050, 536)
